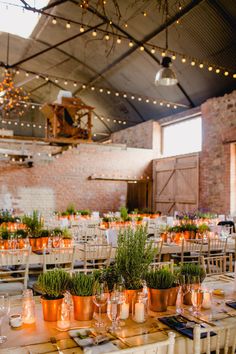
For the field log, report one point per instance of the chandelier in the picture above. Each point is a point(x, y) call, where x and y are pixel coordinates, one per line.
point(12, 98)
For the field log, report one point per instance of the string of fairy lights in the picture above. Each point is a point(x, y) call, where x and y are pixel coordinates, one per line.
point(108, 35)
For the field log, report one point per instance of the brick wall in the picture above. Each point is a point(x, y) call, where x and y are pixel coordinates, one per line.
point(143, 135)
point(52, 185)
point(219, 129)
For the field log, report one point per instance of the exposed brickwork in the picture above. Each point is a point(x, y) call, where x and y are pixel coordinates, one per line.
point(139, 136)
point(219, 128)
point(53, 185)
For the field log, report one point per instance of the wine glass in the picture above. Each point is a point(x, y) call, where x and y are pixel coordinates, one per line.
point(4, 310)
point(100, 296)
point(197, 299)
point(114, 304)
point(184, 289)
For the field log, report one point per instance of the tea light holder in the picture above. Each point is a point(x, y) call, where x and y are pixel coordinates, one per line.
point(28, 307)
point(139, 308)
point(206, 304)
point(63, 316)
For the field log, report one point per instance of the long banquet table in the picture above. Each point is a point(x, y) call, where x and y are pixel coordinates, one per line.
point(35, 339)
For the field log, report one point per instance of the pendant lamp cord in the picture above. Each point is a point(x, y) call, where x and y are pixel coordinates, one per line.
point(167, 15)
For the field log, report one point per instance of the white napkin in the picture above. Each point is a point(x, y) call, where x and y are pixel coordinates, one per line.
point(100, 349)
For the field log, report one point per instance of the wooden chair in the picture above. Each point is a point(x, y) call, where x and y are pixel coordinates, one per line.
point(158, 246)
point(14, 270)
point(217, 264)
point(96, 257)
point(159, 265)
point(59, 258)
point(191, 251)
point(223, 342)
point(164, 346)
point(216, 246)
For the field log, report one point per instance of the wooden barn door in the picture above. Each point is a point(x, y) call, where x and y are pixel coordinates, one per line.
point(176, 183)
point(139, 195)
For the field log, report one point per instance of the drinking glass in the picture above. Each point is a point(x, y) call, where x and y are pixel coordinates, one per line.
point(184, 288)
point(197, 299)
point(100, 296)
point(4, 310)
point(114, 304)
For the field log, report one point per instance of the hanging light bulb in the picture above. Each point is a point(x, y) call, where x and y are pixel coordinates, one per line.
point(81, 29)
point(107, 37)
point(94, 33)
point(118, 40)
point(54, 21)
point(68, 25)
point(166, 76)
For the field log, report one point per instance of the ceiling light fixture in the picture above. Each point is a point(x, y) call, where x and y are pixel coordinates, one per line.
point(166, 76)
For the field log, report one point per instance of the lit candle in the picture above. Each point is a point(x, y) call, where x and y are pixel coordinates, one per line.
point(206, 304)
point(124, 313)
point(139, 312)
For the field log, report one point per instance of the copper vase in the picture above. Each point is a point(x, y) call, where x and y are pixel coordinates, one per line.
point(173, 293)
point(83, 308)
point(187, 299)
point(50, 308)
point(158, 299)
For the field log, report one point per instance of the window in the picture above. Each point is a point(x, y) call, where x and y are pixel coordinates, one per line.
point(182, 137)
point(16, 21)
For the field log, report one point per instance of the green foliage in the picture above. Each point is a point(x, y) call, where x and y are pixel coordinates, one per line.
point(85, 212)
point(21, 233)
point(139, 218)
point(203, 228)
point(192, 270)
point(57, 231)
point(66, 234)
point(71, 209)
point(33, 223)
point(53, 283)
point(5, 234)
point(6, 216)
point(124, 213)
point(110, 276)
point(133, 256)
point(160, 279)
point(82, 284)
point(44, 233)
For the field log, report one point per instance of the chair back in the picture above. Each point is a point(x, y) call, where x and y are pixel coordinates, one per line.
point(217, 264)
point(18, 258)
point(160, 265)
point(164, 346)
point(59, 257)
point(216, 246)
point(191, 250)
point(223, 340)
point(96, 256)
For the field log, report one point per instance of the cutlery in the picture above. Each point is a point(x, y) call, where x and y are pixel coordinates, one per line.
point(54, 342)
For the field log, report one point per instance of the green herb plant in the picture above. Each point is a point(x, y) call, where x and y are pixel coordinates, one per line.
point(160, 279)
point(134, 255)
point(82, 284)
point(53, 283)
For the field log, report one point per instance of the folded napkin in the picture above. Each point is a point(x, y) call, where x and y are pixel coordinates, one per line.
point(231, 304)
point(182, 325)
point(101, 348)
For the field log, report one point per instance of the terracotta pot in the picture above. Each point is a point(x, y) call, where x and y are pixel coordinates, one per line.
point(177, 237)
point(130, 294)
point(173, 296)
point(158, 299)
point(50, 308)
point(44, 242)
point(37, 244)
point(164, 236)
point(67, 242)
point(6, 244)
point(21, 243)
point(187, 235)
point(32, 243)
point(83, 308)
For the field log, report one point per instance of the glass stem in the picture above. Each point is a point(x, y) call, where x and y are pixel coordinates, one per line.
point(0, 327)
point(100, 313)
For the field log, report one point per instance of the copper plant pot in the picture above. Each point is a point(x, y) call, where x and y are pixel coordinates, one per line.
point(130, 294)
point(50, 308)
point(32, 242)
point(173, 296)
point(83, 308)
point(158, 299)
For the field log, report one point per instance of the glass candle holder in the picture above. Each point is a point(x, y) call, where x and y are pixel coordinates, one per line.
point(63, 315)
point(139, 308)
point(28, 307)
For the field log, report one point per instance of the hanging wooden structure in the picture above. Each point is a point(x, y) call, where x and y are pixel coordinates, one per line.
point(69, 120)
